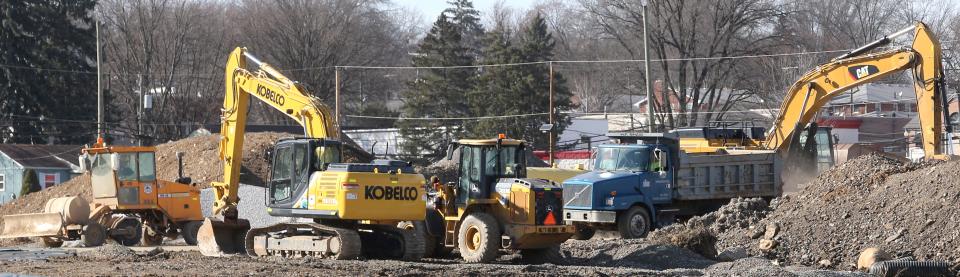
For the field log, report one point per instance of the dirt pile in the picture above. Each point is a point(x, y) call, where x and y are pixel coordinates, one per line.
point(699, 233)
point(907, 209)
point(201, 160)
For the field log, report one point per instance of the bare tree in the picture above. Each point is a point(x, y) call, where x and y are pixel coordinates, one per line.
point(307, 39)
point(172, 51)
point(684, 35)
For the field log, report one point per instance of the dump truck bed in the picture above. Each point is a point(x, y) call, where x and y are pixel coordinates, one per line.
point(738, 173)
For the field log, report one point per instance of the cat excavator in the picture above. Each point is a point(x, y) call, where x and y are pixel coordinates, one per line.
point(350, 209)
point(816, 88)
point(793, 132)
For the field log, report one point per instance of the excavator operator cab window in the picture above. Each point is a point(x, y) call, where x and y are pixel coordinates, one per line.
point(325, 153)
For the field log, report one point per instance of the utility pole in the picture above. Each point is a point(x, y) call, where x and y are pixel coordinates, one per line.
point(336, 95)
point(140, 110)
point(646, 67)
point(99, 87)
point(551, 114)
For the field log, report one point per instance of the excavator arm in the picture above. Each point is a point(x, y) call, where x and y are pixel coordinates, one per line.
point(277, 91)
point(817, 87)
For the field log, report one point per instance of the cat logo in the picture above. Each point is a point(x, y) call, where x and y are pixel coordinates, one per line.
point(862, 71)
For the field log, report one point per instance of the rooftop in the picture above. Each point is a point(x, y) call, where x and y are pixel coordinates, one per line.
point(41, 155)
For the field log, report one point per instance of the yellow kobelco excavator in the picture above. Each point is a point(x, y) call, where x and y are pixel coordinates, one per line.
point(354, 208)
point(817, 87)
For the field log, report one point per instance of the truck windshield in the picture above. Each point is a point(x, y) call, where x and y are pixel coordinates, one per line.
point(626, 159)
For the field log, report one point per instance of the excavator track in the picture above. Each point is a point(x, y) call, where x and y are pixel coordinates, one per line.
point(304, 240)
point(382, 241)
point(319, 240)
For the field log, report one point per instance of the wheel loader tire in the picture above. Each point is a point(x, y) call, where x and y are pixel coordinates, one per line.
point(634, 223)
point(93, 235)
point(150, 240)
point(189, 232)
point(52, 242)
point(130, 225)
point(549, 255)
point(584, 232)
point(429, 242)
point(479, 238)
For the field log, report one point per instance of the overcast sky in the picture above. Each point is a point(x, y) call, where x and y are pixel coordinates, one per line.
point(430, 9)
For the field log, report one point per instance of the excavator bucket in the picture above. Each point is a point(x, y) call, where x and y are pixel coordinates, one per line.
point(32, 225)
point(218, 238)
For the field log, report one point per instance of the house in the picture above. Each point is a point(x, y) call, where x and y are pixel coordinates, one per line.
point(53, 165)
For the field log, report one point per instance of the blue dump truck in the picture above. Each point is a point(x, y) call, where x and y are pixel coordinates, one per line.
point(645, 180)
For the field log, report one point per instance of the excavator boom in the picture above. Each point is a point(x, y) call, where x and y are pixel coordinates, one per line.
point(817, 87)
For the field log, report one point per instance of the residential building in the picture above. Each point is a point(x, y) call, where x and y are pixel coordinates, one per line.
point(53, 164)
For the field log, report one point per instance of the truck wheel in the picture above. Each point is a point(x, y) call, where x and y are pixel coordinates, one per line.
point(189, 232)
point(429, 242)
point(93, 235)
point(549, 255)
point(127, 231)
point(584, 232)
point(479, 238)
point(634, 223)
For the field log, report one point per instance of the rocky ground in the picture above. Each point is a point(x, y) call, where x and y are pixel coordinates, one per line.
point(909, 210)
point(906, 209)
point(586, 258)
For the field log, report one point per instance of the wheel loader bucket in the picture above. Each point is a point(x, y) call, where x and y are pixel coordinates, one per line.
point(32, 225)
point(218, 238)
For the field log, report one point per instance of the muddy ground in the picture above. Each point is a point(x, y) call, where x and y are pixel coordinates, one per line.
point(585, 258)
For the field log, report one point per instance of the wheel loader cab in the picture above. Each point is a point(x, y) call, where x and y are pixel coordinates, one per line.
point(483, 162)
point(293, 162)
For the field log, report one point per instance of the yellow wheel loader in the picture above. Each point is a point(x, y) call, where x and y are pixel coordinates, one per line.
point(493, 207)
point(129, 204)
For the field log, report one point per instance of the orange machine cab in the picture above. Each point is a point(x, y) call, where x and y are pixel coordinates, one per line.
point(124, 177)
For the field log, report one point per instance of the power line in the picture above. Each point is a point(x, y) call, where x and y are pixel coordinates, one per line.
point(474, 66)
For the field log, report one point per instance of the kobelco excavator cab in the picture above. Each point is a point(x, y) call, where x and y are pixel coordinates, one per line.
point(493, 206)
point(292, 162)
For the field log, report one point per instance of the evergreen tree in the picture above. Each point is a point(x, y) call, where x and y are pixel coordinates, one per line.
point(53, 34)
point(467, 20)
point(30, 183)
point(521, 89)
point(438, 92)
point(497, 88)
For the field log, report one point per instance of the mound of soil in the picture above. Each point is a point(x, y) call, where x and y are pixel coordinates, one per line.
point(908, 209)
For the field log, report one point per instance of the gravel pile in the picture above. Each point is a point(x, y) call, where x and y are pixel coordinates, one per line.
point(873, 201)
point(252, 206)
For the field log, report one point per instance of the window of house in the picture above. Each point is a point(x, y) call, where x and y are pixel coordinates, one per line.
point(48, 180)
point(3, 182)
